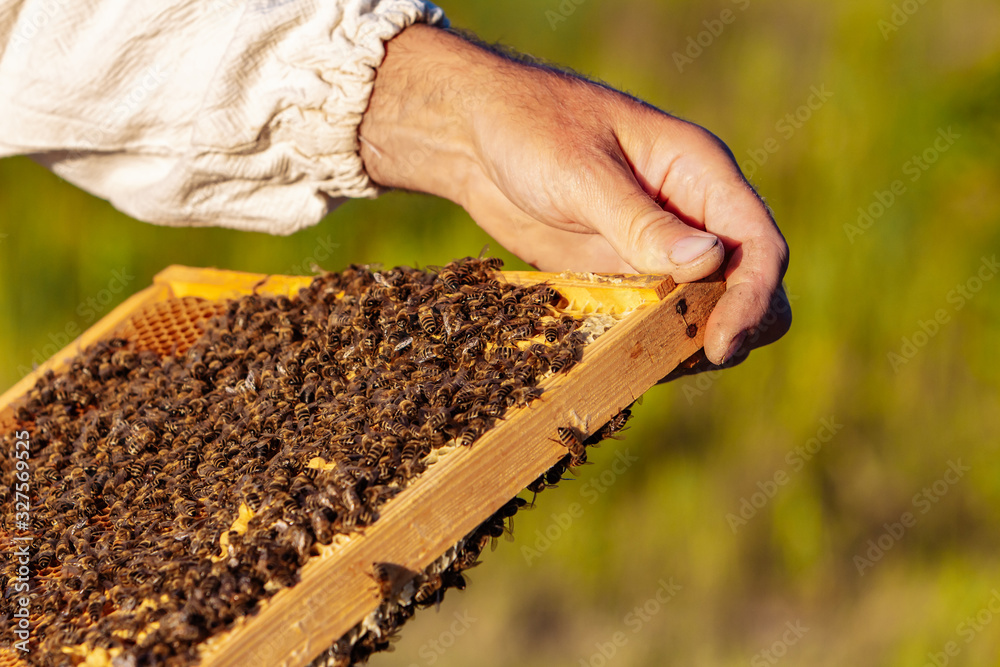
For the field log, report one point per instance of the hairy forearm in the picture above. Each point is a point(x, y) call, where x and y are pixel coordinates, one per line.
point(417, 133)
point(444, 109)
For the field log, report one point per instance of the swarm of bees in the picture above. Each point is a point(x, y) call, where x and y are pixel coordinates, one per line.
point(172, 494)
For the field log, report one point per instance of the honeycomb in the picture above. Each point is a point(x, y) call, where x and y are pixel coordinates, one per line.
point(171, 326)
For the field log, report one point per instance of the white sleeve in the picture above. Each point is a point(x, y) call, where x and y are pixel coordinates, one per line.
point(233, 113)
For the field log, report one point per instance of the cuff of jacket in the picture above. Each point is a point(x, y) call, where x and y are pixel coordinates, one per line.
point(363, 35)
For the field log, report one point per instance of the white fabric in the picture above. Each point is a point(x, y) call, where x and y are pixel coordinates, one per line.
point(234, 113)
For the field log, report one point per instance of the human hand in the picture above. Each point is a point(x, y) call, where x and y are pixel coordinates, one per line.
point(568, 174)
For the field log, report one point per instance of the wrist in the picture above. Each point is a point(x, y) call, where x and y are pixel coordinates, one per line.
point(417, 132)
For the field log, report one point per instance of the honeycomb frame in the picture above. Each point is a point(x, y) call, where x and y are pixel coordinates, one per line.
point(653, 337)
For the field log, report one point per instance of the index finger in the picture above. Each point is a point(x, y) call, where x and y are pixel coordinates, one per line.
point(706, 186)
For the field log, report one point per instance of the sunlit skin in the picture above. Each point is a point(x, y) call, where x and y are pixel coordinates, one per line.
point(569, 174)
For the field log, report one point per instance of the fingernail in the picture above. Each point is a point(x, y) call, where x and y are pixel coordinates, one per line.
point(691, 248)
point(735, 346)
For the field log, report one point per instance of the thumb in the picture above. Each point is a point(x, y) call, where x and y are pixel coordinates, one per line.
point(656, 241)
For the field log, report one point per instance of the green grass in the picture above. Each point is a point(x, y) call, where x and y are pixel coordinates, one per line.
point(703, 445)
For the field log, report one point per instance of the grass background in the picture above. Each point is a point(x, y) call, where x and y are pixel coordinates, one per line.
point(705, 444)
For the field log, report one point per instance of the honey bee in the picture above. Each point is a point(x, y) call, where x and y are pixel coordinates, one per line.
point(473, 348)
point(185, 507)
point(450, 278)
point(500, 522)
point(428, 320)
point(521, 396)
point(615, 424)
point(44, 559)
point(525, 373)
point(509, 303)
point(429, 591)
point(94, 610)
point(468, 436)
point(467, 394)
point(545, 294)
point(563, 361)
point(391, 579)
point(571, 441)
point(495, 527)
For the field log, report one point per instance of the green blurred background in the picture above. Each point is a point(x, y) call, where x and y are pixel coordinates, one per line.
point(783, 587)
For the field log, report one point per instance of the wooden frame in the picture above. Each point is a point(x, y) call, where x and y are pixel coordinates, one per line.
point(463, 487)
